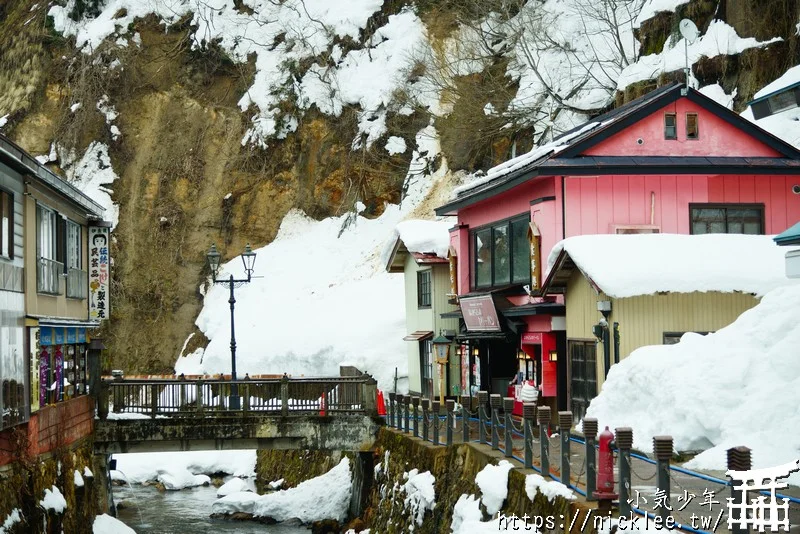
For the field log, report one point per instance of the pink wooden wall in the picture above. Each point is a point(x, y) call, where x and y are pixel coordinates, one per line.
point(716, 137)
point(594, 204)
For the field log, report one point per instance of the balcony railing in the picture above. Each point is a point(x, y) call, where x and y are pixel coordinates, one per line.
point(77, 284)
point(48, 276)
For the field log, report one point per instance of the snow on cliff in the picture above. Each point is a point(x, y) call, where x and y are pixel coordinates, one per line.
point(737, 386)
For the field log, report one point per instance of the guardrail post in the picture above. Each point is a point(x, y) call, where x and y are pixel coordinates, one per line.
point(528, 416)
point(153, 400)
point(415, 422)
point(590, 435)
point(426, 407)
point(400, 414)
point(284, 395)
point(483, 398)
point(369, 396)
point(450, 405)
point(543, 416)
point(437, 406)
point(392, 397)
point(738, 460)
point(406, 415)
point(662, 447)
point(508, 407)
point(624, 439)
point(246, 399)
point(565, 426)
point(495, 400)
point(465, 401)
point(182, 393)
point(118, 395)
point(198, 395)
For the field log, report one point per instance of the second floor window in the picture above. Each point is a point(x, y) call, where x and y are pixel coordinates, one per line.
point(424, 289)
point(501, 253)
point(670, 126)
point(47, 233)
point(727, 219)
point(7, 222)
point(692, 127)
point(73, 245)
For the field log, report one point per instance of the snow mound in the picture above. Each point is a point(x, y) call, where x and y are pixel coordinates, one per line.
point(178, 479)
point(323, 497)
point(493, 482)
point(420, 494)
point(234, 485)
point(53, 500)
point(11, 519)
point(143, 467)
point(712, 384)
point(466, 510)
point(77, 479)
point(549, 488)
point(105, 524)
point(645, 264)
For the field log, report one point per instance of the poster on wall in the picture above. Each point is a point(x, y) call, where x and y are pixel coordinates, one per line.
point(34, 368)
point(44, 377)
point(99, 304)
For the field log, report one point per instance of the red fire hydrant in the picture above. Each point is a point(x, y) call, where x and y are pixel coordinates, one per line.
point(605, 467)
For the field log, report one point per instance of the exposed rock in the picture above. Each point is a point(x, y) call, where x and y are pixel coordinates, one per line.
point(327, 526)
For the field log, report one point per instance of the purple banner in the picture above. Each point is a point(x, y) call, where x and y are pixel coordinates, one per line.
point(59, 374)
point(44, 368)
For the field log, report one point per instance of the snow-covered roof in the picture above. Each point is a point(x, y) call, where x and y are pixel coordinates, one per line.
point(418, 236)
point(644, 264)
point(790, 77)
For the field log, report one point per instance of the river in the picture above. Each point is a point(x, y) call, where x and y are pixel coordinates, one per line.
point(149, 511)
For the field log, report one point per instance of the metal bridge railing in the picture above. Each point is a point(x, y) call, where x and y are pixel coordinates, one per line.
point(277, 396)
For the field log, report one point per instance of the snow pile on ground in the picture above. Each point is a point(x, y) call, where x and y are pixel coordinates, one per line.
point(178, 479)
point(645, 264)
point(421, 236)
point(105, 524)
point(737, 386)
point(234, 485)
point(53, 500)
point(467, 518)
point(493, 482)
point(317, 277)
point(144, 467)
point(11, 519)
point(719, 39)
point(420, 494)
point(549, 488)
point(323, 497)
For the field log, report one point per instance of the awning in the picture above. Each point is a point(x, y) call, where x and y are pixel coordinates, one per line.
point(463, 336)
point(419, 335)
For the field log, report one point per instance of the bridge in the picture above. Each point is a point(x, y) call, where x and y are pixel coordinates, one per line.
point(275, 413)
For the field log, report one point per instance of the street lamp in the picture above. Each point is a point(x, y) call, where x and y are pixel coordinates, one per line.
point(442, 347)
point(249, 260)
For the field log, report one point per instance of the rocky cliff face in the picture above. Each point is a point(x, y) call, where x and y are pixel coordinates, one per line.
point(174, 127)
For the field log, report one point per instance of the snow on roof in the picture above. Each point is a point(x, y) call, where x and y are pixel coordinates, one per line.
point(425, 236)
point(790, 77)
point(644, 264)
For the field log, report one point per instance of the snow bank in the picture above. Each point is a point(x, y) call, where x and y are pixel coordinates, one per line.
point(234, 485)
point(747, 372)
point(719, 39)
point(178, 479)
point(466, 510)
point(493, 482)
point(105, 524)
point(11, 519)
point(549, 488)
point(143, 467)
point(420, 494)
point(323, 497)
point(320, 277)
point(53, 500)
point(644, 264)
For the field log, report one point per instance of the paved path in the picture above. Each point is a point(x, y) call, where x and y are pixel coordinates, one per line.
point(643, 480)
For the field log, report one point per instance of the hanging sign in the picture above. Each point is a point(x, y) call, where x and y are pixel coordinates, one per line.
point(99, 273)
point(480, 314)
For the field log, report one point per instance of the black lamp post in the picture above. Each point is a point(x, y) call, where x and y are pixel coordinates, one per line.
point(249, 260)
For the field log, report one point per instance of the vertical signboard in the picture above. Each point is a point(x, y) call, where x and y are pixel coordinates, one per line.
point(453, 260)
point(99, 273)
point(535, 237)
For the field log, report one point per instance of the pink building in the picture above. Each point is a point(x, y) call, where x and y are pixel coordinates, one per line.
point(672, 161)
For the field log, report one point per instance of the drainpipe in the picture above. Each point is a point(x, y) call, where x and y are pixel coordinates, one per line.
point(606, 351)
point(616, 342)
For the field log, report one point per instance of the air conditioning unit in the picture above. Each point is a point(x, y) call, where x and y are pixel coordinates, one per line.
point(635, 229)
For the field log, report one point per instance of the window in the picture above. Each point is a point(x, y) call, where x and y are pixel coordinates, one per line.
point(670, 126)
point(670, 338)
point(692, 128)
point(583, 375)
point(73, 245)
point(48, 250)
point(727, 219)
point(7, 222)
point(424, 289)
point(502, 253)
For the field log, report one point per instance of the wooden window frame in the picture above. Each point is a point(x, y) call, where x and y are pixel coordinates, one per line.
point(726, 206)
point(7, 203)
point(696, 135)
point(424, 288)
point(674, 136)
point(507, 222)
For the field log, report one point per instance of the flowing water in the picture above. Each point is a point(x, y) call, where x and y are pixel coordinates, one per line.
point(149, 511)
